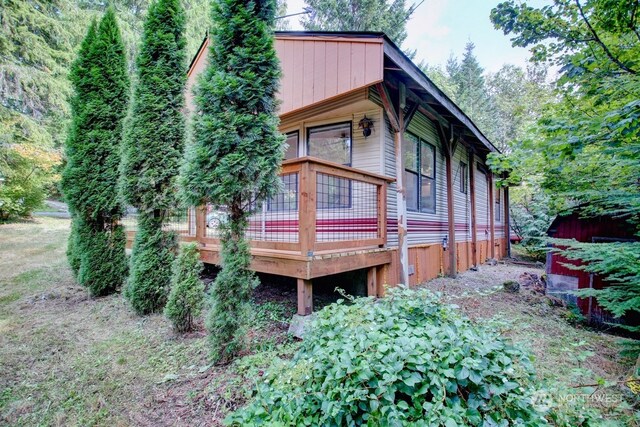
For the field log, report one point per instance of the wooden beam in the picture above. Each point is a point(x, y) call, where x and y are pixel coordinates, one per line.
point(372, 282)
point(409, 116)
point(451, 218)
point(472, 200)
point(507, 221)
point(388, 106)
point(307, 227)
point(305, 297)
point(401, 197)
point(492, 225)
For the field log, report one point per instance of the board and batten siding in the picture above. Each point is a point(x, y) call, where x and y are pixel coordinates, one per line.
point(314, 69)
point(318, 68)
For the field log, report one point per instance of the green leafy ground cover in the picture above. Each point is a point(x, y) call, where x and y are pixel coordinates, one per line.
point(66, 359)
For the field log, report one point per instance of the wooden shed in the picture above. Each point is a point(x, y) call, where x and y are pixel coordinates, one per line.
point(383, 172)
point(562, 280)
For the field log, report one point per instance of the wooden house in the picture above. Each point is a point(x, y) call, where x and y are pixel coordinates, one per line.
point(383, 172)
point(562, 280)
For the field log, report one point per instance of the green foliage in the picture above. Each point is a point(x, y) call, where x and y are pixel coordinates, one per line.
point(38, 42)
point(187, 290)
point(101, 89)
point(154, 134)
point(358, 15)
point(153, 145)
point(237, 151)
point(230, 296)
point(588, 145)
point(103, 262)
point(403, 359)
point(152, 255)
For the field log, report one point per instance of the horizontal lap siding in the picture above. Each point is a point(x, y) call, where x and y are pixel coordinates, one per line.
point(482, 206)
point(462, 203)
point(430, 227)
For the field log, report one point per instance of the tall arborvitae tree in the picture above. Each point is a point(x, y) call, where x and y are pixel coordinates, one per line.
point(93, 148)
point(235, 159)
point(153, 145)
point(79, 76)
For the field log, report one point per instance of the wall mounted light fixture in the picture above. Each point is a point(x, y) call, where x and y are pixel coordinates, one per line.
point(366, 124)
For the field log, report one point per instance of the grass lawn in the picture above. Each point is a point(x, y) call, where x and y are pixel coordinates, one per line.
point(66, 359)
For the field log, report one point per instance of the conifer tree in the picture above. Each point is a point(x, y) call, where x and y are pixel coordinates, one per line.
point(237, 151)
point(187, 290)
point(93, 153)
point(153, 145)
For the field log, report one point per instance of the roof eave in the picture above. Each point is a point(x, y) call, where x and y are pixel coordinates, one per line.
point(412, 70)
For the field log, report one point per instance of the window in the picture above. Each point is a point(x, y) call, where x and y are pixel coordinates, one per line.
point(331, 142)
point(292, 141)
point(463, 177)
point(287, 199)
point(497, 196)
point(419, 174)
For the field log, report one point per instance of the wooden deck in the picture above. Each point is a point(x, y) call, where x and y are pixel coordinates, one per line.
point(327, 219)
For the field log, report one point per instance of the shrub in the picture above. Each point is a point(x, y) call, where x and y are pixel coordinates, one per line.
point(395, 361)
point(187, 290)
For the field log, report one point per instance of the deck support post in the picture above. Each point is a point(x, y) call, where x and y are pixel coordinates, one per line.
point(372, 282)
point(305, 297)
point(472, 202)
point(449, 148)
point(492, 225)
point(399, 122)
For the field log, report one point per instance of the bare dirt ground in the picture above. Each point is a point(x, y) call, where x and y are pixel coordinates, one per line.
point(66, 359)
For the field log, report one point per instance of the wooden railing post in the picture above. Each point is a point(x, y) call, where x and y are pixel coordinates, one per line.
point(307, 214)
point(201, 224)
point(382, 212)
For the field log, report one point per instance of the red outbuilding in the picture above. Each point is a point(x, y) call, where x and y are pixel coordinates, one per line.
point(562, 280)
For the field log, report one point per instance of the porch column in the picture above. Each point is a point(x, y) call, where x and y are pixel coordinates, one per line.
point(492, 225)
point(399, 122)
point(305, 297)
point(472, 200)
point(449, 148)
point(507, 221)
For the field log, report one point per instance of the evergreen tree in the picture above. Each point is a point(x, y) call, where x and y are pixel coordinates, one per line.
point(38, 42)
point(152, 150)
point(470, 90)
point(93, 150)
point(360, 15)
point(187, 290)
point(237, 151)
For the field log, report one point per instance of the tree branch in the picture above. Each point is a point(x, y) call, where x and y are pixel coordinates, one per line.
point(601, 43)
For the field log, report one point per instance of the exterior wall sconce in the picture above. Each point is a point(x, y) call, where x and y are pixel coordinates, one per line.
point(366, 124)
point(445, 243)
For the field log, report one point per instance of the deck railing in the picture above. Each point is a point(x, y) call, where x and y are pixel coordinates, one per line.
point(322, 206)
